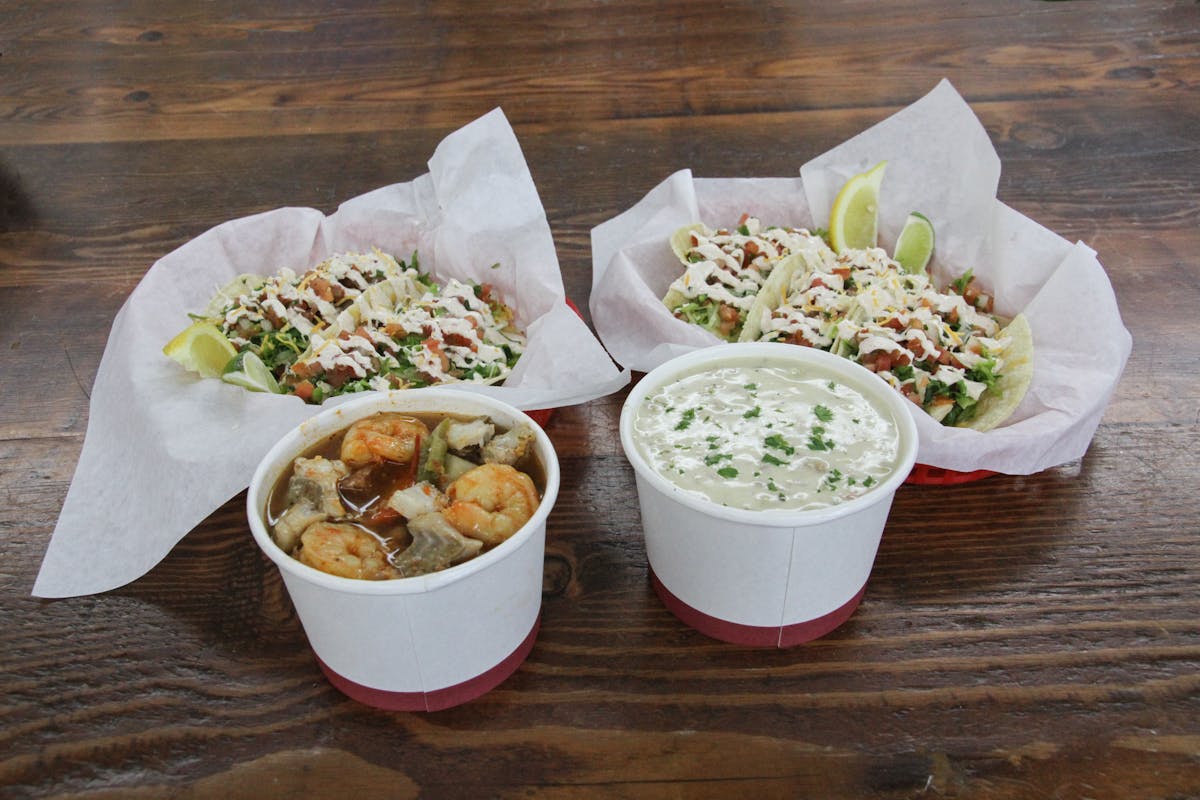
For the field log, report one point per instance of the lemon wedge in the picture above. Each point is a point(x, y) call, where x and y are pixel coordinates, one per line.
point(201, 347)
point(249, 372)
point(914, 247)
point(854, 219)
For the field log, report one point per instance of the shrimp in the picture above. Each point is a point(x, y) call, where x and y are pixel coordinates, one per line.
point(491, 502)
point(312, 497)
point(383, 437)
point(345, 551)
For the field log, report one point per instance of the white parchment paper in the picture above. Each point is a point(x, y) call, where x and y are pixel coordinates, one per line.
point(165, 448)
point(941, 163)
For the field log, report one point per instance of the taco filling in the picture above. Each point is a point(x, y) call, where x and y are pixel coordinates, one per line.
point(360, 321)
point(725, 270)
point(944, 350)
point(456, 332)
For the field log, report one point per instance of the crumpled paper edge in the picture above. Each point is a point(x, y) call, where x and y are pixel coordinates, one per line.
point(631, 258)
point(96, 521)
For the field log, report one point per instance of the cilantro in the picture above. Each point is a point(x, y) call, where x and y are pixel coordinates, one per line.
point(868, 481)
point(743, 230)
point(779, 443)
point(833, 476)
point(751, 387)
point(831, 386)
point(727, 472)
point(686, 419)
point(816, 440)
point(903, 371)
point(713, 458)
point(823, 413)
point(960, 285)
point(752, 413)
point(770, 459)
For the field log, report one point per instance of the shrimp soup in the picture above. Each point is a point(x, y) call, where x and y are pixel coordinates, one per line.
point(397, 495)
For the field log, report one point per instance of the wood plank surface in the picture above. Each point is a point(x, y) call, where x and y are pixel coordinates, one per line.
point(1020, 637)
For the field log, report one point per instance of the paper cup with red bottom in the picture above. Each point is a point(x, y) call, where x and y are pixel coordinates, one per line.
point(772, 578)
point(428, 642)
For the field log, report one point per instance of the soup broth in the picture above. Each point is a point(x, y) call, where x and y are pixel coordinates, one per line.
point(397, 495)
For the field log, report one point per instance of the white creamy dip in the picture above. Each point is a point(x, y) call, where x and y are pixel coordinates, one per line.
point(766, 434)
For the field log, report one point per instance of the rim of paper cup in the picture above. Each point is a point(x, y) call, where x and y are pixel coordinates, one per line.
point(318, 427)
point(856, 375)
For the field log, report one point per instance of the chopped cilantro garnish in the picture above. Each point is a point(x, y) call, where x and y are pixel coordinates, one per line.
point(727, 472)
point(960, 285)
point(770, 459)
point(817, 440)
point(713, 458)
point(779, 443)
point(868, 481)
point(752, 413)
point(822, 413)
point(743, 230)
point(831, 386)
point(751, 387)
point(686, 419)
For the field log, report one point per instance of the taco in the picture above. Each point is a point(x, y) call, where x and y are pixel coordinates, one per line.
point(273, 316)
point(357, 321)
point(391, 338)
point(724, 270)
point(944, 350)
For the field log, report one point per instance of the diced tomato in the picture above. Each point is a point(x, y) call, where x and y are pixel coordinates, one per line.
point(798, 338)
point(459, 340)
point(435, 347)
point(304, 390)
point(729, 319)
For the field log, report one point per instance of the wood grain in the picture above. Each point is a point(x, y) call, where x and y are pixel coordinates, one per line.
point(1021, 637)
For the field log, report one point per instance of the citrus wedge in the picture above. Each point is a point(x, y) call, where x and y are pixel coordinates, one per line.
point(249, 372)
point(854, 219)
point(914, 247)
point(201, 347)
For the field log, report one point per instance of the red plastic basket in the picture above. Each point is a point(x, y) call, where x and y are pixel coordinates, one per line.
point(925, 475)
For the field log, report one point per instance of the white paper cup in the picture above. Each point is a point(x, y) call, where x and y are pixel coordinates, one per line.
point(428, 642)
point(772, 578)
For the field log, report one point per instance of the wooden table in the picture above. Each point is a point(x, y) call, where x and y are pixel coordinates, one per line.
point(1029, 636)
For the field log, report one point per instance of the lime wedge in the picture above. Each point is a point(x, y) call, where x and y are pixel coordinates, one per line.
point(251, 373)
point(201, 347)
point(915, 244)
point(854, 219)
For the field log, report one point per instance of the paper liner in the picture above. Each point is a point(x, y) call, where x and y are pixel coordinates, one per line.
point(165, 448)
point(941, 163)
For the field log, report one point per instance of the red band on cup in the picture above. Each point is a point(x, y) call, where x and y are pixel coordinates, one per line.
point(755, 635)
point(438, 699)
